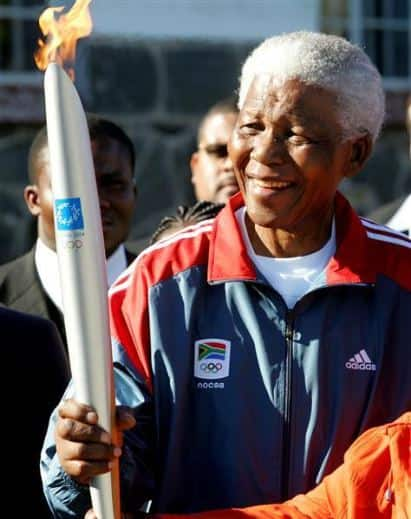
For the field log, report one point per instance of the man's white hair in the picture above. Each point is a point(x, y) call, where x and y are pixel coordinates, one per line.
point(327, 61)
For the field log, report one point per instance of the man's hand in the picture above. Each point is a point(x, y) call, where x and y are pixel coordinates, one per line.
point(85, 450)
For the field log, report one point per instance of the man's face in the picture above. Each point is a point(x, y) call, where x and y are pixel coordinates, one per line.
point(212, 171)
point(288, 154)
point(116, 191)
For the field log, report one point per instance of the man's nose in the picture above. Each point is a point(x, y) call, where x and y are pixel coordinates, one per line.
point(103, 197)
point(269, 148)
point(227, 163)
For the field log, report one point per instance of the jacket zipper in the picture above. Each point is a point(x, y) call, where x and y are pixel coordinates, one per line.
point(289, 334)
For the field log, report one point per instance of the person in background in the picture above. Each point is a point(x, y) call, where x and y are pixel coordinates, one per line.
point(185, 216)
point(212, 173)
point(396, 214)
point(35, 375)
point(253, 351)
point(31, 283)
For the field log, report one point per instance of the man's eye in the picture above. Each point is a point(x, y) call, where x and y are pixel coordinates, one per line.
point(113, 184)
point(217, 151)
point(251, 128)
point(300, 140)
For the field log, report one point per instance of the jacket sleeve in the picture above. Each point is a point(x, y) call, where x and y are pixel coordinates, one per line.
point(69, 499)
point(129, 323)
point(355, 483)
point(314, 505)
point(64, 496)
point(252, 512)
point(133, 389)
point(320, 503)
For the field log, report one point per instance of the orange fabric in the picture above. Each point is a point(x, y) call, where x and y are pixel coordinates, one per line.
point(373, 482)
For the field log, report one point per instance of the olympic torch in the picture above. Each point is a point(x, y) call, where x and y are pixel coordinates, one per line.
point(81, 258)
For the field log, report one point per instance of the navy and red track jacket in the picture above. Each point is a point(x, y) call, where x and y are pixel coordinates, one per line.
point(238, 399)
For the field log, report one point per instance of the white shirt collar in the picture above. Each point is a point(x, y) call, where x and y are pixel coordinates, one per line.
point(116, 264)
point(401, 220)
point(46, 263)
point(291, 277)
point(47, 267)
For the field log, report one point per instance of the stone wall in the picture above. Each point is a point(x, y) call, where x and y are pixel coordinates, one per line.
point(158, 90)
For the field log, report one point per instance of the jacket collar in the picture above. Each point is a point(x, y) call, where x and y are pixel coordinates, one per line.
point(228, 258)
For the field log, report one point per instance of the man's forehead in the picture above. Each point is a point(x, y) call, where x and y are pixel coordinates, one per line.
point(43, 155)
point(293, 98)
point(107, 146)
point(266, 90)
point(218, 127)
point(42, 162)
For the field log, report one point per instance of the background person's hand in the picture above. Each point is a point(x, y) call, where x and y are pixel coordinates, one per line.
point(85, 450)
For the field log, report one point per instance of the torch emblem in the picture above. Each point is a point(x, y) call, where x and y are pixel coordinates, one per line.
point(69, 216)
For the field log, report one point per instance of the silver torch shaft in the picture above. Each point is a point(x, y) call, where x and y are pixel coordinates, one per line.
point(81, 259)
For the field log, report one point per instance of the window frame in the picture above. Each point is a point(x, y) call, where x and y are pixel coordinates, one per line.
point(356, 23)
point(18, 13)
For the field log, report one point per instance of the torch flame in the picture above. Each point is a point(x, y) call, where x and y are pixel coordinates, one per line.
point(61, 32)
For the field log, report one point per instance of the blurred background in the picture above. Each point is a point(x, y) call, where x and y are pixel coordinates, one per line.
point(156, 66)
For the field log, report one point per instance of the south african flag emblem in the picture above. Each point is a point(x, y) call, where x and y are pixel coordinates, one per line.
point(211, 350)
point(211, 358)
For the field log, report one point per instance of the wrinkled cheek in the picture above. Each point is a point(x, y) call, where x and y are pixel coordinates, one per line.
point(240, 181)
point(239, 153)
point(238, 148)
point(239, 166)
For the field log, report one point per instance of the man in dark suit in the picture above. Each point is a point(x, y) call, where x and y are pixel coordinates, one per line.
point(30, 283)
point(35, 374)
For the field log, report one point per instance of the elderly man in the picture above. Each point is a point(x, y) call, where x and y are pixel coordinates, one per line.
point(31, 282)
point(254, 350)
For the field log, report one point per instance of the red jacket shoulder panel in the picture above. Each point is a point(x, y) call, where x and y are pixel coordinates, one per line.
point(185, 249)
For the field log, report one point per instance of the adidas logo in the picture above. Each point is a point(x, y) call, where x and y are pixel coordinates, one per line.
point(361, 361)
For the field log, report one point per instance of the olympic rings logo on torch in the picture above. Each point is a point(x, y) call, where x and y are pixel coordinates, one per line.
point(73, 244)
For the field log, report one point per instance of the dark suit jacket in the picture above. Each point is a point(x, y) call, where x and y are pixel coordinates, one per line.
point(21, 289)
point(36, 356)
point(35, 375)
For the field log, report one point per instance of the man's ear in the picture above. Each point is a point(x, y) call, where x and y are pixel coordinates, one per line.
point(361, 148)
point(193, 165)
point(32, 198)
